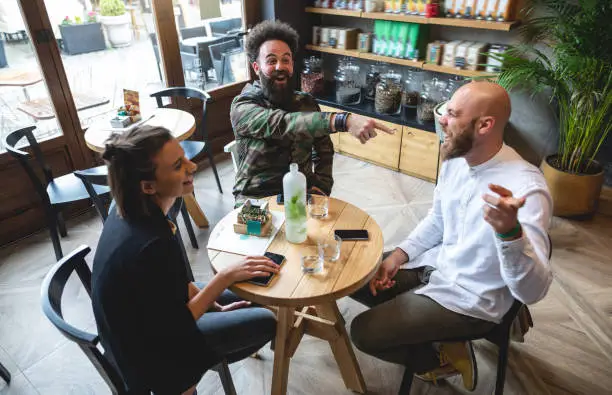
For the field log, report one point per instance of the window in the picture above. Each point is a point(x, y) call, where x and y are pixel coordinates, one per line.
point(211, 42)
point(24, 98)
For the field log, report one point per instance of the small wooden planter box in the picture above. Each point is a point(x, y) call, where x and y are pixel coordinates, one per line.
point(82, 38)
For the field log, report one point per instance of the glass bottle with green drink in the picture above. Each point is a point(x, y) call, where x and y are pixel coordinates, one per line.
point(294, 191)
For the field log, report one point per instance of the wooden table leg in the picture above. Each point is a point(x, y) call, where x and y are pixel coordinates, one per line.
point(342, 349)
point(195, 211)
point(281, 356)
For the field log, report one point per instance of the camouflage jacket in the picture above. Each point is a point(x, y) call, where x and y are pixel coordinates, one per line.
point(269, 138)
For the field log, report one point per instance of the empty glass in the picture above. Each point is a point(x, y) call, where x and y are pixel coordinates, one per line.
point(318, 206)
point(329, 248)
point(312, 264)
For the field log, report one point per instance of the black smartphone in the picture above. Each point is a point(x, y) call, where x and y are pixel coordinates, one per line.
point(265, 280)
point(280, 199)
point(352, 234)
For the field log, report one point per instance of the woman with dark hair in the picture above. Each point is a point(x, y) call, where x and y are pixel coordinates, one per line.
point(161, 331)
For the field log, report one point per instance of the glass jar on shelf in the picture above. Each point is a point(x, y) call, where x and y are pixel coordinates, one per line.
point(454, 82)
point(312, 76)
point(348, 88)
point(372, 79)
point(413, 81)
point(388, 93)
point(340, 4)
point(429, 98)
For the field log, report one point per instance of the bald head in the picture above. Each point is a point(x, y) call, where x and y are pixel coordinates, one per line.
point(484, 99)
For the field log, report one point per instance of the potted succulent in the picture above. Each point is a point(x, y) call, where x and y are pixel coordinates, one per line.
point(573, 62)
point(117, 22)
point(79, 37)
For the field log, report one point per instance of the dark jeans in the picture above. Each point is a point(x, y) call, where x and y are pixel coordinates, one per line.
point(239, 333)
point(401, 326)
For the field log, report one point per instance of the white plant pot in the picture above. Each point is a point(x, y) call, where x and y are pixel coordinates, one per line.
point(439, 110)
point(118, 29)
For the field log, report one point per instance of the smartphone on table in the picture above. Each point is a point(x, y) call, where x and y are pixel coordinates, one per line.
point(264, 281)
point(352, 234)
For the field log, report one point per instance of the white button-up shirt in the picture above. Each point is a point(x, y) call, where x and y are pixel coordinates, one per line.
point(477, 273)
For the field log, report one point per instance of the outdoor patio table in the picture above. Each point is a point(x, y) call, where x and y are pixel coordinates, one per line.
point(306, 303)
point(22, 78)
point(180, 123)
point(42, 109)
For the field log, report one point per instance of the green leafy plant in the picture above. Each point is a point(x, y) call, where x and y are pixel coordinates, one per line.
point(66, 21)
point(112, 7)
point(566, 50)
point(91, 17)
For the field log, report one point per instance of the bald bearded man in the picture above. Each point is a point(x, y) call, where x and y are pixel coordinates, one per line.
point(481, 246)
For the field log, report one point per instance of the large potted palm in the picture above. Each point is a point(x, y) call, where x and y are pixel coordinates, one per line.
point(567, 52)
point(117, 22)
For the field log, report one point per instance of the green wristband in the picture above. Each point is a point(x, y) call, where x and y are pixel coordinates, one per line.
point(511, 233)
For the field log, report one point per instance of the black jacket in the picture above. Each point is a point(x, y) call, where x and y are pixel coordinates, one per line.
point(139, 295)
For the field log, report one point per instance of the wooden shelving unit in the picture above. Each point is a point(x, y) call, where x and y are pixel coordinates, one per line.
point(457, 22)
point(333, 11)
point(452, 70)
point(402, 62)
point(343, 52)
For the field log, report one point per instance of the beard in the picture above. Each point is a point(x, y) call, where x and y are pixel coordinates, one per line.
point(279, 95)
point(460, 144)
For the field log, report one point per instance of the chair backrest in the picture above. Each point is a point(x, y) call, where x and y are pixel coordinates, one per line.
point(197, 31)
point(10, 143)
point(187, 93)
point(222, 26)
point(52, 291)
point(216, 54)
point(232, 148)
point(91, 177)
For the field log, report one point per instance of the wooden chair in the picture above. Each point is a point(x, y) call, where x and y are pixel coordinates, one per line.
point(52, 191)
point(52, 292)
point(193, 148)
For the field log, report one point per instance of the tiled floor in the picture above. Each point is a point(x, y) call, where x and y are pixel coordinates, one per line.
point(568, 352)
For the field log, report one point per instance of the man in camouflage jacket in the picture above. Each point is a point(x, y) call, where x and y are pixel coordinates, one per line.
point(275, 125)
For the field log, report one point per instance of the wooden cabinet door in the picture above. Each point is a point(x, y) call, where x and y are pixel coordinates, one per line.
point(335, 137)
point(420, 154)
point(383, 150)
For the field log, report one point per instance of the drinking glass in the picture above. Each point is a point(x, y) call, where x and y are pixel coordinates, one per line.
point(329, 248)
point(318, 206)
point(312, 264)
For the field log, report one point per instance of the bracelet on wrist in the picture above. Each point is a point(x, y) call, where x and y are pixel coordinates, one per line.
point(511, 233)
point(340, 121)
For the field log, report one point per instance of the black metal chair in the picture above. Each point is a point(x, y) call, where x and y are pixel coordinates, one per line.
point(197, 31)
point(52, 191)
point(52, 291)
point(499, 335)
point(193, 148)
point(217, 54)
point(91, 179)
point(4, 373)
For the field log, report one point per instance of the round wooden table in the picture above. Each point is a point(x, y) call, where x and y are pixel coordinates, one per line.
point(180, 123)
point(306, 303)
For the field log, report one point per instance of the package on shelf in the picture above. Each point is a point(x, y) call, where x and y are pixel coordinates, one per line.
point(324, 37)
point(374, 5)
point(475, 56)
point(448, 59)
point(494, 65)
point(346, 38)
point(333, 37)
point(461, 54)
point(316, 35)
point(434, 52)
point(480, 11)
point(364, 42)
point(389, 5)
point(505, 10)
point(450, 8)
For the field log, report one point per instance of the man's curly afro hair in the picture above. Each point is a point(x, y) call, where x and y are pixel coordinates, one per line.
point(270, 30)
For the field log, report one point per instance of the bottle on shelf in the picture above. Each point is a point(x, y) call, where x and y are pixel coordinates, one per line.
point(294, 193)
